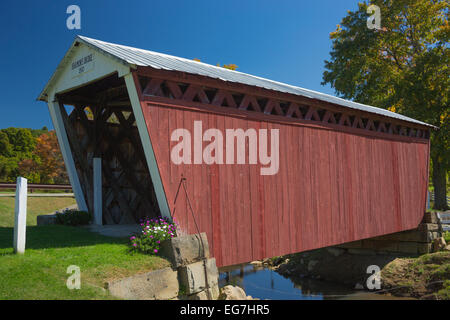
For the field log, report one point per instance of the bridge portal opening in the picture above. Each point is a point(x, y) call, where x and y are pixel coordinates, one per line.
point(99, 123)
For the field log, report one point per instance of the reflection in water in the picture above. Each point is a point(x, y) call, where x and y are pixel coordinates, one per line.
point(263, 283)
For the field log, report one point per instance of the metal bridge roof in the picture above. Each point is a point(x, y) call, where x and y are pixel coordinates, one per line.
point(146, 58)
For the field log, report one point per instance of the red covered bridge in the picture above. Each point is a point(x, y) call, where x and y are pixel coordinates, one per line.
point(269, 168)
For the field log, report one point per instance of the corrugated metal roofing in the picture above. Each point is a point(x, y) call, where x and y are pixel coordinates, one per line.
point(157, 60)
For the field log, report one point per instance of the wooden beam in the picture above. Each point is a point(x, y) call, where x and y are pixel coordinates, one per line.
point(66, 151)
point(312, 114)
point(258, 116)
point(79, 157)
point(177, 76)
point(133, 92)
point(249, 100)
point(127, 215)
point(294, 110)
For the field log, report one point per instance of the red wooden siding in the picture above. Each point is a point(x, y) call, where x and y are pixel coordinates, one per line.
point(332, 187)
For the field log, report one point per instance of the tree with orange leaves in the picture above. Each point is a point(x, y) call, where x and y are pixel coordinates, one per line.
point(46, 164)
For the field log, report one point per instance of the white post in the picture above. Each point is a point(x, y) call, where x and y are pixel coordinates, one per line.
point(98, 202)
point(20, 220)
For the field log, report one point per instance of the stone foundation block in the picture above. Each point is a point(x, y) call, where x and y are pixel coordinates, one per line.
point(192, 277)
point(430, 217)
point(156, 285)
point(381, 245)
point(365, 252)
point(424, 248)
point(46, 219)
point(433, 227)
point(348, 245)
point(185, 249)
point(203, 295)
point(413, 236)
point(408, 247)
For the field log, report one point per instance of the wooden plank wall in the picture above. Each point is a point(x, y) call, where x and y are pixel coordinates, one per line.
point(332, 187)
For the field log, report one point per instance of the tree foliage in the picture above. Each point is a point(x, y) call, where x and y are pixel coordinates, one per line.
point(33, 154)
point(16, 144)
point(403, 67)
point(46, 164)
point(230, 66)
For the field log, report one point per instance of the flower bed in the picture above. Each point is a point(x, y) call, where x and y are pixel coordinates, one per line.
point(154, 231)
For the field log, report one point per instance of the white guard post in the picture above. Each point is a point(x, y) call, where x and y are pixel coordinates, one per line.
point(98, 203)
point(20, 220)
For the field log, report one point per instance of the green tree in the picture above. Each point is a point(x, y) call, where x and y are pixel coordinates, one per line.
point(16, 144)
point(21, 139)
point(46, 164)
point(5, 147)
point(33, 153)
point(403, 67)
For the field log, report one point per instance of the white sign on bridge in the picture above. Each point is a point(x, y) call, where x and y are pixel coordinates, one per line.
point(82, 65)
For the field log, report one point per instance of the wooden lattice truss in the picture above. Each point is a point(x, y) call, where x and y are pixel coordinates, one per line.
point(99, 130)
point(161, 88)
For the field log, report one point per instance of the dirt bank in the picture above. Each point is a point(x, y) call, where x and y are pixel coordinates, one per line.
point(425, 277)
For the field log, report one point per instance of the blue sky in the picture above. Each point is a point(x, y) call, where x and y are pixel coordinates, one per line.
point(286, 41)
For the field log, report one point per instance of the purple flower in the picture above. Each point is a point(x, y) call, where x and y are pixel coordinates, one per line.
point(155, 251)
point(132, 238)
point(134, 244)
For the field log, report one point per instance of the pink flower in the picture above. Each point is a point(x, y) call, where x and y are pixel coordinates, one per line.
point(134, 244)
point(156, 250)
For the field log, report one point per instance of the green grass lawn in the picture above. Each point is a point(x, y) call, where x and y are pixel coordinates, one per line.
point(35, 207)
point(41, 272)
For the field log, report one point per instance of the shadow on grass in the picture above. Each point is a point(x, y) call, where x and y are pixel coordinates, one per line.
point(56, 236)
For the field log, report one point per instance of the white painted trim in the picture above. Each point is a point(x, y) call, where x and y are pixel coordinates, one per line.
point(104, 64)
point(64, 145)
point(98, 202)
point(20, 217)
point(147, 145)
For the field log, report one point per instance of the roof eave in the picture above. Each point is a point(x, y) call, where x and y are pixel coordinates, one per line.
point(43, 96)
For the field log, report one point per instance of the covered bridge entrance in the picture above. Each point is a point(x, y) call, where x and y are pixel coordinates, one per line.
point(269, 168)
